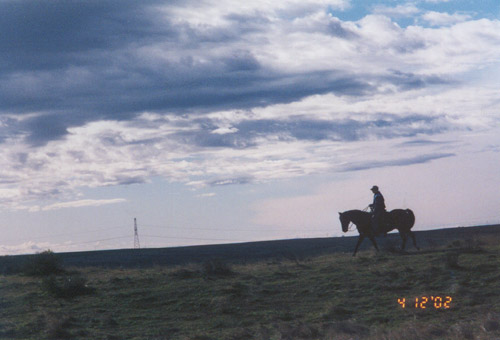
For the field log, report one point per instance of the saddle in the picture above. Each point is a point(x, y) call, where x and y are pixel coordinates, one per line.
point(383, 223)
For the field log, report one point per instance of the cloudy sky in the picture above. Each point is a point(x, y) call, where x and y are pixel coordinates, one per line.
point(228, 121)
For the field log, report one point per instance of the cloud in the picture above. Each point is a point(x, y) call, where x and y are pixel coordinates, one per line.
point(422, 142)
point(208, 194)
point(231, 181)
point(79, 62)
point(34, 247)
point(441, 19)
point(406, 10)
point(99, 93)
point(29, 247)
point(156, 57)
point(248, 133)
point(80, 203)
point(326, 134)
point(321, 22)
point(59, 33)
point(395, 162)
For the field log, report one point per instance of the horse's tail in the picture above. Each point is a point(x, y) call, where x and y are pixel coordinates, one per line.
point(411, 218)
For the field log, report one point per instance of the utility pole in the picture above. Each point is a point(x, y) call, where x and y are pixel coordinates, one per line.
point(136, 235)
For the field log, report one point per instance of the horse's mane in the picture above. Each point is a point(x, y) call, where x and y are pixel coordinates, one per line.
point(356, 214)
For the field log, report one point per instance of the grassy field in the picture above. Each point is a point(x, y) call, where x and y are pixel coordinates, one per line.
point(332, 296)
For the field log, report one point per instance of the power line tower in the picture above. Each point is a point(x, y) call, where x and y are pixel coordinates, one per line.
point(136, 235)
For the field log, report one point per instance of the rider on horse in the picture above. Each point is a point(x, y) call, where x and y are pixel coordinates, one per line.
point(378, 210)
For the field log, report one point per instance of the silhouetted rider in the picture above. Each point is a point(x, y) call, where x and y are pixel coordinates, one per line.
point(378, 210)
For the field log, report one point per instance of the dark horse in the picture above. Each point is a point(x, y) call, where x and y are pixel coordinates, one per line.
point(402, 220)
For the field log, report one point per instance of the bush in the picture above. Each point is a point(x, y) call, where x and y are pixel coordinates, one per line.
point(57, 327)
point(216, 268)
point(43, 264)
point(455, 244)
point(66, 287)
point(338, 313)
point(183, 273)
point(463, 331)
point(451, 260)
point(473, 246)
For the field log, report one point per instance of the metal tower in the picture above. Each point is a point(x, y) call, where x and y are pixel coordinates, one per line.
point(136, 235)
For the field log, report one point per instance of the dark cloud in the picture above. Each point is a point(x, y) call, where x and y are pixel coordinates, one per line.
point(130, 179)
point(303, 129)
point(231, 181)
point(336, 28)
point(246, 23)
point(391, 126)
point(395, 162)
point(248, 132)
point(241, 61)
point(410, 81)
point(44, 128)
point(74, 62)
point(423, 142)
point(198, 89)
point(50, 34)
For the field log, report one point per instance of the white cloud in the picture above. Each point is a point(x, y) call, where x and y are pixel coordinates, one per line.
point(33, 247)
point(82, 203)
point(406, 10)
point(218, 13)
point(208, 194)
point(224, 130)
point(442, 19)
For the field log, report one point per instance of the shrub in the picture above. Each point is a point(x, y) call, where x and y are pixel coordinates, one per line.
point(473, 246)
point(67, 287)
point(222, 305)
point(338, 313)
point(57, 327)
point(451, 260)
point(183, 273)
point(463, 331)
point(201, 337)
point(43, 264)
point(213, 268)
point(491, 325)
point(347, 329)
point(455, 244)
point(432, 244)
point(298, 331)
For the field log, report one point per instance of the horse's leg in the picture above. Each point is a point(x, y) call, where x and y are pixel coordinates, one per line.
point(373, 241)
point(360, 239)
point(403, 238)
point(413, 238)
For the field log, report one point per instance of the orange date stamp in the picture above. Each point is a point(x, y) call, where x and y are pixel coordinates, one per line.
point(426, 302)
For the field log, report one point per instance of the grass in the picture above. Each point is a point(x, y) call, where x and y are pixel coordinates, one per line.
point(331, 296)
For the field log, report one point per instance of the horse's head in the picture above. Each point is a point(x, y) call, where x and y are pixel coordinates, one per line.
point(344, 220)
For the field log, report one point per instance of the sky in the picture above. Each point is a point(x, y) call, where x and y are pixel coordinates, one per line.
point(228, 121)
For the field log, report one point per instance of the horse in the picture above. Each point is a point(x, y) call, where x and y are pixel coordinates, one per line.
point(400, 219)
